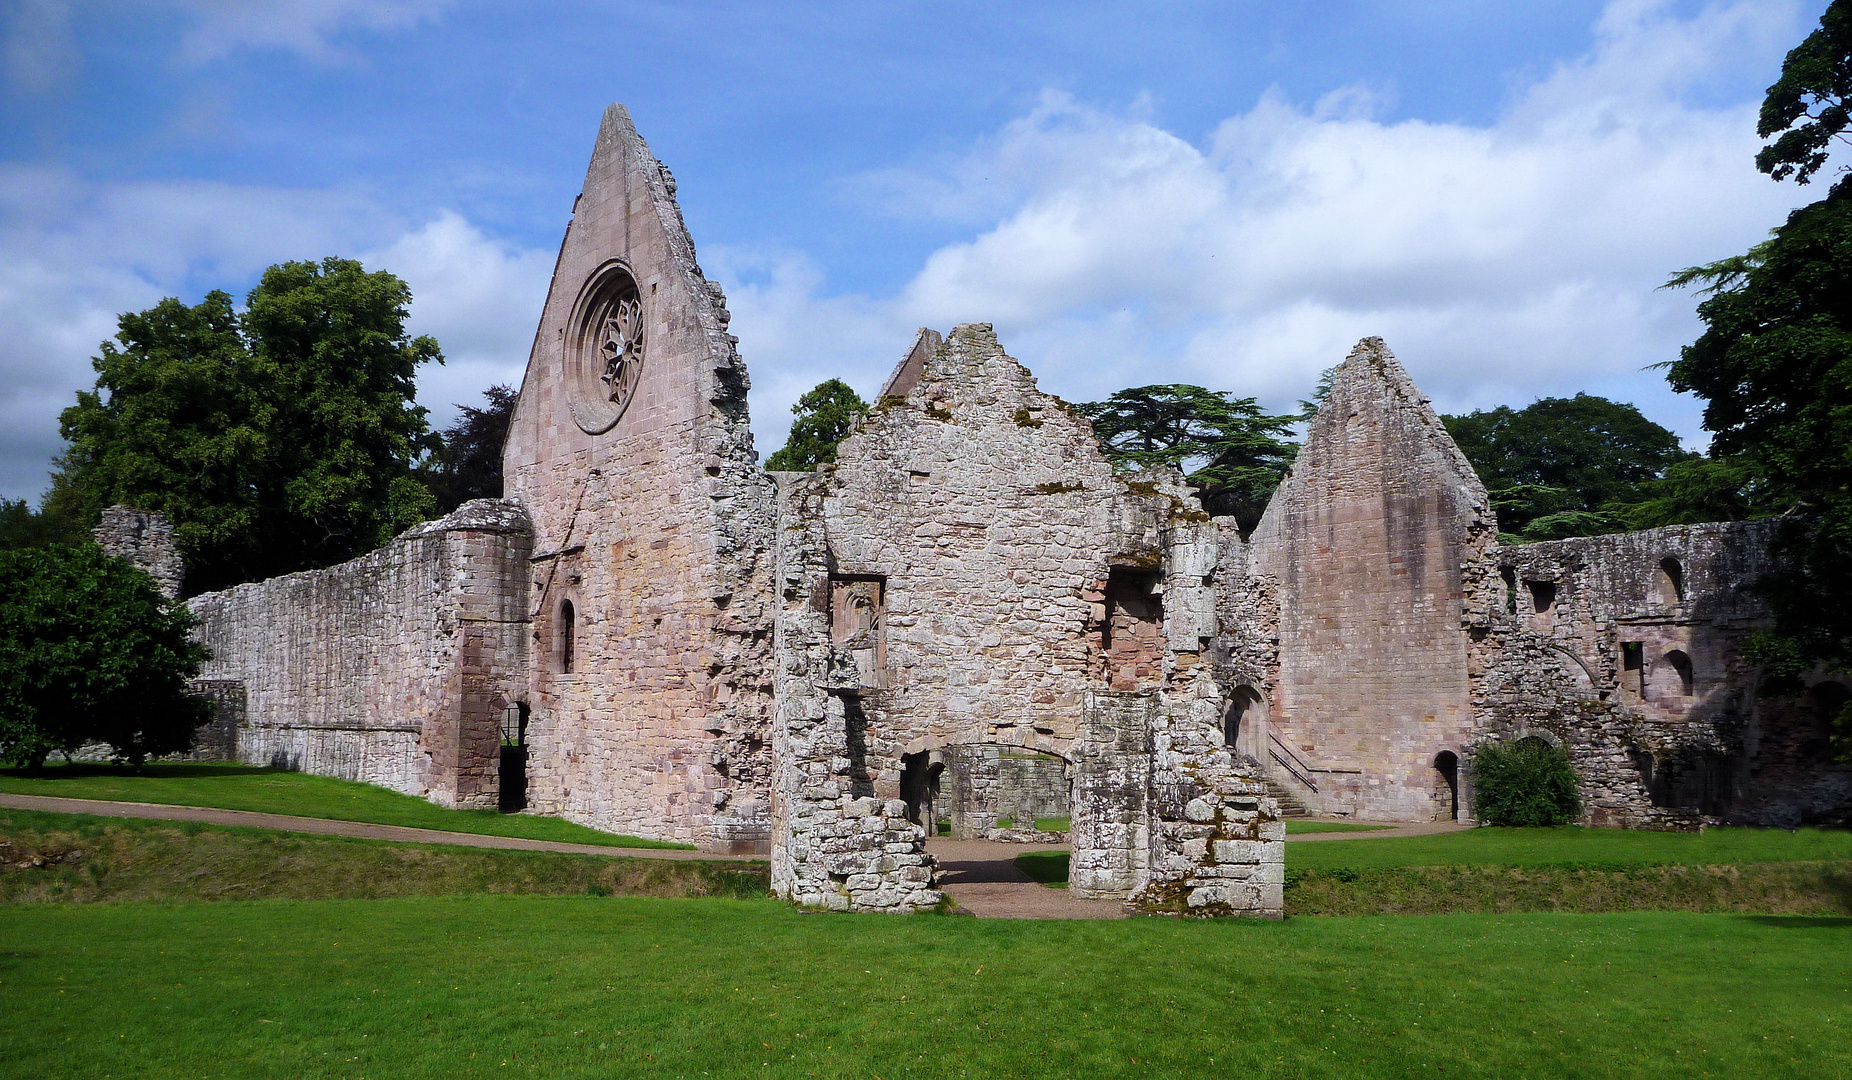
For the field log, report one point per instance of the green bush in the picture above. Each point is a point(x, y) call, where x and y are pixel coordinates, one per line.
point(1526, 783)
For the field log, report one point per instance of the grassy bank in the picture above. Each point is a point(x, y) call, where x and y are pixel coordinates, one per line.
point(1300, 828)
point(274, 791)
point(1796, 888)
point(1616, 849)
point(76, 859)
point(568, 987)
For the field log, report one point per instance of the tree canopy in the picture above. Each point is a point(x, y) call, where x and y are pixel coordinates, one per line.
point(824, 417)
point(91, 652)
point(1565, 466)
point(1774, 362)
point(1233, 452)
point(279, 439)
point(469, 464)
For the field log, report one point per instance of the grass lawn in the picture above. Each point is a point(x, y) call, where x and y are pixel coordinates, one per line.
point(1575, 847)
point(274, 791)
point(1297, 828)
point(1047, 867)
point(568, 987)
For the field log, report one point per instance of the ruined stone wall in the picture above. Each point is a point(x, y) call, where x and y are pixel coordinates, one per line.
point(146, 539)
point(1372, 543)
point(651, 519)
point(985, 786)
point(1626, 651)
point(393, 668)
point(999, 578)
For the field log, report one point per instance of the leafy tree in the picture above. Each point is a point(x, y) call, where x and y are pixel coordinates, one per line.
point(469, 466)
point(91, 651)
point(278, 440)
point(1774, 363)
point(20, 527)
point(1559, 466)
point(1235, 451)
point(824, 417)
point(1527, 783)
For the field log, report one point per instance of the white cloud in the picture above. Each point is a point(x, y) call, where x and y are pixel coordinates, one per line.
point(1502, 262)
point(74, 254)
point(309, 27)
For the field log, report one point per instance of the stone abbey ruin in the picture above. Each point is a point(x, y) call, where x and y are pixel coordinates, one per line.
point(971, 622)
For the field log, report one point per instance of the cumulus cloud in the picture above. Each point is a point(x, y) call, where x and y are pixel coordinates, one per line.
point(74, 254)
point(1502, 262)
point(311, 28)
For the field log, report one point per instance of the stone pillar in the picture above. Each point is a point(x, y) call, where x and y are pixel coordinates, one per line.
point(146, 539)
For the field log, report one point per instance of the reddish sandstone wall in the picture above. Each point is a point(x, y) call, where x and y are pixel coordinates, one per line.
point(1372, 543)
point(653, 531)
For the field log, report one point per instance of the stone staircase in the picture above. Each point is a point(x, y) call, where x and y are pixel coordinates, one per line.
point(1290, 806)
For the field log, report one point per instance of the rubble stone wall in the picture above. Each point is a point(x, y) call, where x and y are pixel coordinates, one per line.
point(394, 668)
point(1005, 578)
point(146, 539)
point(653, 528)
point(1626, 651)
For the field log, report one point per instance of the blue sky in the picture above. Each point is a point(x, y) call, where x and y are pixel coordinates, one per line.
point(1221, 193)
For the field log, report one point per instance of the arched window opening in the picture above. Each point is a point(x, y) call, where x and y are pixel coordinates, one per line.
point(568, 632)
point(1680, 663)
point(1510, 576)
point(1671, 582)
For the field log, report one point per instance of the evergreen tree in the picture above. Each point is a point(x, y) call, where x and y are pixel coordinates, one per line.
point(824, 417)
point(469, 466)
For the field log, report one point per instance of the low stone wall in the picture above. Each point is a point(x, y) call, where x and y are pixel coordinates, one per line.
point(394, 668)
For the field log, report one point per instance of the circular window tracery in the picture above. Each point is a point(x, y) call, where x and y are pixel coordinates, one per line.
point(605, 353)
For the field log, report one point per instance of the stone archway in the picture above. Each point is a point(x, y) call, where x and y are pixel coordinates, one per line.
point(1446, 786)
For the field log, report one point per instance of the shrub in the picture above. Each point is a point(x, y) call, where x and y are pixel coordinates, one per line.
point(91, 651)
point(1528, 782)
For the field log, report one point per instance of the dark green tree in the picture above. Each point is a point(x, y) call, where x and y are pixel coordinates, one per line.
point(1774, 363)
point(1526, 783)
point(1563, 466)
point(21, 527)
point(280, 440)
point(1233, 452)
point(469, 466)
point(824, 417)
point(91, 651)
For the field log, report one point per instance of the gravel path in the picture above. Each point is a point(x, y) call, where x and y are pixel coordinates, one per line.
point(328, 827)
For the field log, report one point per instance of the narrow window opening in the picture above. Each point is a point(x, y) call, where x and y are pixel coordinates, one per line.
point(1671, 582)
point(1510, 575)
point(1681, 664)
point(568, 631)
point(1633, 666)
point(1542, 596)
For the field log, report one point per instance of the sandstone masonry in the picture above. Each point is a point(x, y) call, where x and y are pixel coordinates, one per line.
point(970, 616)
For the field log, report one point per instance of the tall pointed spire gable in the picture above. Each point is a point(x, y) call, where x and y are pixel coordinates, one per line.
point(1374, 539)
point(631, 450)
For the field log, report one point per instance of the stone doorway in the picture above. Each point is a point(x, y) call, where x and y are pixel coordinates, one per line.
point(993, 791)
point(1446, 786)
point(512, 775)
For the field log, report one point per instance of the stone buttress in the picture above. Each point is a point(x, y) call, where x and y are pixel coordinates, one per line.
point(630, 448)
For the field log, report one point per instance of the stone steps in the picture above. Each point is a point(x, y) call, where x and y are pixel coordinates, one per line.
point(1290, 806)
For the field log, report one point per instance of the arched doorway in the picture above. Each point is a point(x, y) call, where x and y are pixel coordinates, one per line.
point(988, 789)
point(920, 780)
point(512, 774)
point(1446, 786)
point(1244, 725)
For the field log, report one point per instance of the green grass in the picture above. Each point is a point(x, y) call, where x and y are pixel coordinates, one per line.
point(274, 791)
point(1053, 824)
point(571, 987)
point(75, 858)
point(1047, 867)
point(1006, 823)
point(1297, 828)
point(1575, 847)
